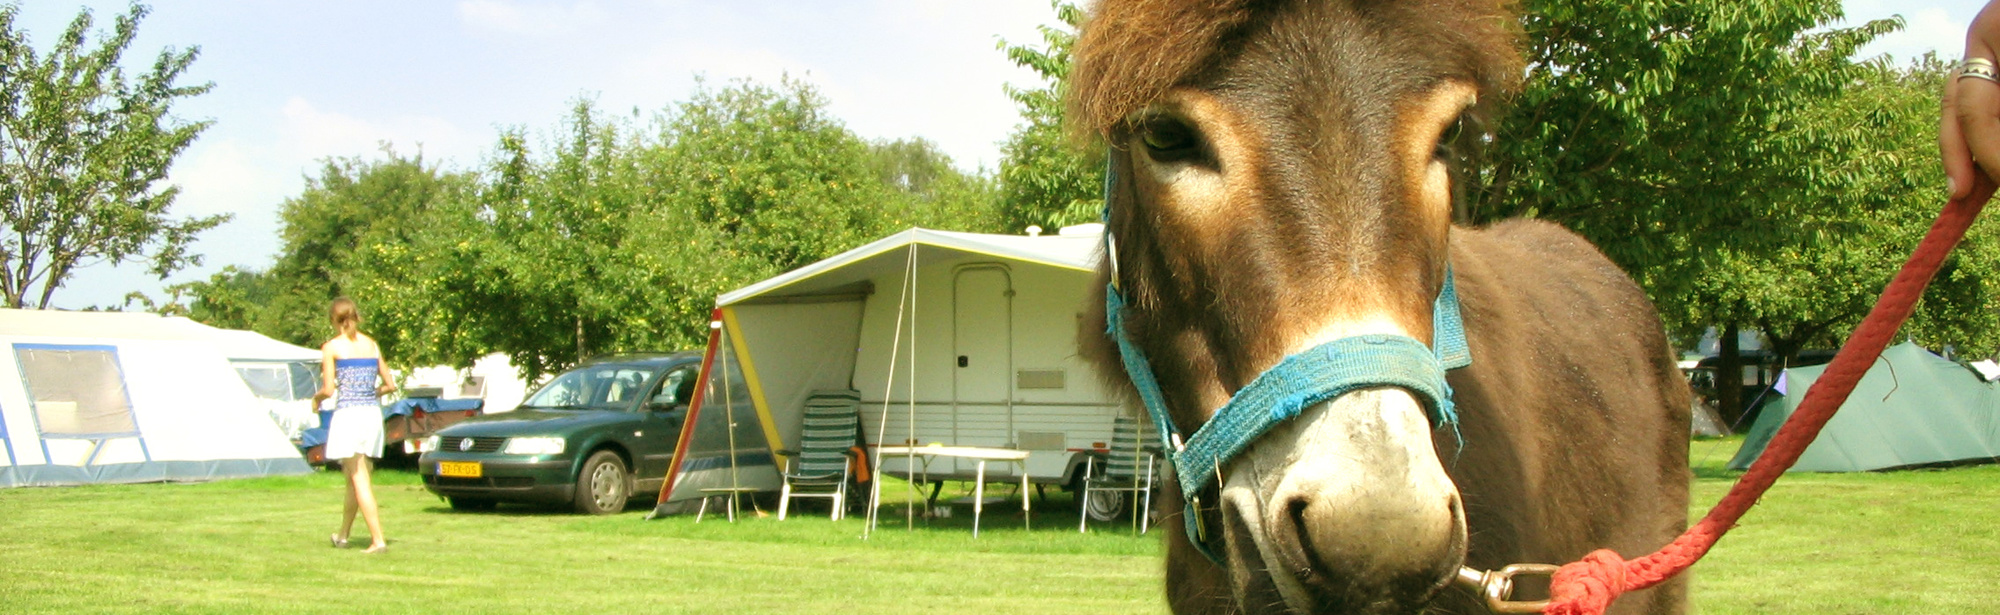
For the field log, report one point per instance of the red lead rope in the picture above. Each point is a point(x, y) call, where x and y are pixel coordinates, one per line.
point(1587, 586)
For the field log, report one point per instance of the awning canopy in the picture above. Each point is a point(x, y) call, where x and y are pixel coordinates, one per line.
point(849, 272)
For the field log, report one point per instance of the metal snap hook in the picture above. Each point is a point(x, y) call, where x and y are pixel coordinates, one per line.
point(1498, 586)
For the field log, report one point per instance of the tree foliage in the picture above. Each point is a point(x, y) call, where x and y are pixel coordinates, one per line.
point(82, 153)
point(1046, 180)
point(1641, 123)
point(1873, 199)
point(927, 191)
point(605, 234)
point(381, 230)
point(1735, 158)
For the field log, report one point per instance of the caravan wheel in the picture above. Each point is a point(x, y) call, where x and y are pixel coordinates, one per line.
point(1106, 505)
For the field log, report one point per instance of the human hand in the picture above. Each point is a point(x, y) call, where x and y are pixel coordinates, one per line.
point(1969, 135)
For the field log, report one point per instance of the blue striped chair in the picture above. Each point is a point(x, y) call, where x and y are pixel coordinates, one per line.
point(1127, 469)
point(819, 469)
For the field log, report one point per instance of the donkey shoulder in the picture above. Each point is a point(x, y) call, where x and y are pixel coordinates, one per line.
point(1539, 271)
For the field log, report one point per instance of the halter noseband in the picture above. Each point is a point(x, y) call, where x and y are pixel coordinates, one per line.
point(1319, 374)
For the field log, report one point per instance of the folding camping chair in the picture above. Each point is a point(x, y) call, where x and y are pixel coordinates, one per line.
point(1128, 467)
point(820, 468)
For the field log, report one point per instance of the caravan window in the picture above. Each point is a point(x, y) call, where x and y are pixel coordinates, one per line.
point(76, 390)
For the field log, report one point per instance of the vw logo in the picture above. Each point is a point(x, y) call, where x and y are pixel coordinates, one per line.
point(465, 444)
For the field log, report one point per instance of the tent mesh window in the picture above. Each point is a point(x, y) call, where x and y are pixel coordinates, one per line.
point(305, 379)
point(77, 391)
point(267, 381)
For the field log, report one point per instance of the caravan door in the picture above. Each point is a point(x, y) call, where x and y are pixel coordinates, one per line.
point(982, 345)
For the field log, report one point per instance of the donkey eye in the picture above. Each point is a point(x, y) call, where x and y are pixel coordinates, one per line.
point(1449, 137)
point(1168, 138)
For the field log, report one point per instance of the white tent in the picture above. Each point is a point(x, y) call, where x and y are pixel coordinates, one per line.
point(126, 397)
point(282, 376)
point(952, 338)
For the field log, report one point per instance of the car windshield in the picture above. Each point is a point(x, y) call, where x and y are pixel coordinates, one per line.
point(597, 387)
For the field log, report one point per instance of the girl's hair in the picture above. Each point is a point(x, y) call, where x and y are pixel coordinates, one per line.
point(346, 316)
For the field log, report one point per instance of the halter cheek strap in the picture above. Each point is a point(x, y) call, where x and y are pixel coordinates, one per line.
point(1319, 374)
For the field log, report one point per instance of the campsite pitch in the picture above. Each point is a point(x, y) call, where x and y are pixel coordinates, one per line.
point(1906, 542)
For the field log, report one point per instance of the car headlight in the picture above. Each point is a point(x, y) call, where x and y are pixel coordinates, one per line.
point(544, 445)
point(431, 443)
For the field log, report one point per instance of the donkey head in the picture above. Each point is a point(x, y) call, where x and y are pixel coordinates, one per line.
point(1283, 179)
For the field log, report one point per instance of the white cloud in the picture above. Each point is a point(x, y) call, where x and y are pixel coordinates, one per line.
point(309, 134)
point(529, 18)
point(224, 177)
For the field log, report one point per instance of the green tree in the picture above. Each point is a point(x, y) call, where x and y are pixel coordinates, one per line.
point(928, 191)
point(570, 273)
point(1667, 132)
point(82, 154)
point(1046, 179)
point(1878, 193)
point(381, 231)
point(770, 169)
point(233, 298)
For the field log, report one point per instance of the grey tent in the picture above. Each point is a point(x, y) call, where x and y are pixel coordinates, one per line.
point(1912, 408)
point(1707, 423)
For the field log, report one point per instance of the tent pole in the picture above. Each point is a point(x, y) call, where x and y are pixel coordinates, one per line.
point(889, 387)
point(910, 462)
point(729, 418)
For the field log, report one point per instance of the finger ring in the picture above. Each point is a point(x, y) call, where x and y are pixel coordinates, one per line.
point(1978, 68)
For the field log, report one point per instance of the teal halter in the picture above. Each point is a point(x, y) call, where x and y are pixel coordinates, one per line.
point(1319, 374)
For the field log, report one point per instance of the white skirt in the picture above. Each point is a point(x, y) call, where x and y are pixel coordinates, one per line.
point(355, 430)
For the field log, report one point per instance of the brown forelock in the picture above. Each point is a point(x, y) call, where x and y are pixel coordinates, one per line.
point(1131, 51)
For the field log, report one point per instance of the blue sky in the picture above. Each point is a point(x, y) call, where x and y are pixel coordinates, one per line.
point(296, 82)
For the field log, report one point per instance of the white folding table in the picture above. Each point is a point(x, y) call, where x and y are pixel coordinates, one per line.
point(982, 455)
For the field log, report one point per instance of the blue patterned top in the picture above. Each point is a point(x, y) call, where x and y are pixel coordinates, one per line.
point(356, 378)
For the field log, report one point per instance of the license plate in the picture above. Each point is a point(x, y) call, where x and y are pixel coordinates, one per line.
point(460, 469)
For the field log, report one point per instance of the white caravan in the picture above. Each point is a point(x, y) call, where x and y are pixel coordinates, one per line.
point(958, 339)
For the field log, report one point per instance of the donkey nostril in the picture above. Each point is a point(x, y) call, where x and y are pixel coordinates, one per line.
point(1306, 561)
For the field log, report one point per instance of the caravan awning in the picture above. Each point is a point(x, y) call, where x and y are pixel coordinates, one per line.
point(848, 271)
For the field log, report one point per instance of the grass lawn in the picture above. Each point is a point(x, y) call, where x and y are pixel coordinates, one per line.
point(1921, 541)
point(1906, 542)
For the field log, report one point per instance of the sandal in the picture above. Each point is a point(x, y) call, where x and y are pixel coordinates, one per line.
point(337, 541)
point(375, 550)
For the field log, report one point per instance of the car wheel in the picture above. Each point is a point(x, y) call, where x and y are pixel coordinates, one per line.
point(459, 503)
point(602, 487)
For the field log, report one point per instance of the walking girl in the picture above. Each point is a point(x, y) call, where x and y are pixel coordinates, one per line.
point(353, 373)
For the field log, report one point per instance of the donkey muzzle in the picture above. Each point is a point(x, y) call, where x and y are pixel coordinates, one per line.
point(1344, 510)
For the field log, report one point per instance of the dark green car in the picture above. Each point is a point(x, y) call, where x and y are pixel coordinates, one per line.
point(593, 438)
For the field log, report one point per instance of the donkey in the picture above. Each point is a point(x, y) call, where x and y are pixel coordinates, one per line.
point(1281, 177)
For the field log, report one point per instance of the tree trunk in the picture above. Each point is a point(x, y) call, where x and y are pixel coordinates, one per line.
point(1728, 376)
point(580, 354)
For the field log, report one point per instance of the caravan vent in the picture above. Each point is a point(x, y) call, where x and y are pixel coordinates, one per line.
point(1039, 379)
point(1043, 441)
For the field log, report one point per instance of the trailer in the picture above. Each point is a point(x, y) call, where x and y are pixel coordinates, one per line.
point(958, 339)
